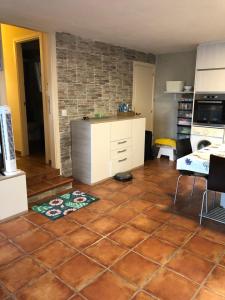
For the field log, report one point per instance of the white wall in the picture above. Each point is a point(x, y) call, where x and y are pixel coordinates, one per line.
point(173, 66)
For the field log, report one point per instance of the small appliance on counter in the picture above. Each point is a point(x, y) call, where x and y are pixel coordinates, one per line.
point(125, 110)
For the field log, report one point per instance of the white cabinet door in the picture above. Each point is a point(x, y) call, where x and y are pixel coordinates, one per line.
point(138, 142)
point(211, 56)
point(210, 81)
point(120, 130)
point(100, 151)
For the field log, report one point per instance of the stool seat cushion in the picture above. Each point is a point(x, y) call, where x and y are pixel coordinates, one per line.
point(166, 142)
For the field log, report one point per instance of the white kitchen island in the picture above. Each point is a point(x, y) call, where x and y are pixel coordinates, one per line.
point(13, 195)
point(103, 147)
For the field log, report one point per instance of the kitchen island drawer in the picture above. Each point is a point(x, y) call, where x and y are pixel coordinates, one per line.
point(120, 130)
point(121, 164)
point(124, 143)
point(120, 153)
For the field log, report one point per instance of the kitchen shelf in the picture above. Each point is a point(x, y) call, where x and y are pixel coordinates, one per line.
point(185, 107)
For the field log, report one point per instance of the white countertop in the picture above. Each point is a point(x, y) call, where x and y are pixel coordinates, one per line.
point(107, 119)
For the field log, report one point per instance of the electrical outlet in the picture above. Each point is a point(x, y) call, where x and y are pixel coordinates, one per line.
point(64, 113)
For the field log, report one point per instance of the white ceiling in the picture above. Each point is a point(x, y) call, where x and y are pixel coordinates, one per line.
point(157, 26)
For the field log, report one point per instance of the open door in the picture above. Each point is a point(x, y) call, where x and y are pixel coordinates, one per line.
point(32, 96)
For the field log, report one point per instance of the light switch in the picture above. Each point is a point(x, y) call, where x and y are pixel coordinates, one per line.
point(64, 112)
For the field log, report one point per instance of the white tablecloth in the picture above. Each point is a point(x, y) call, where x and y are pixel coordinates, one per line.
point(198, 161)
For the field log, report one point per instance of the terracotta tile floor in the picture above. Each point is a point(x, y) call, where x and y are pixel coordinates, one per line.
point(132, 244)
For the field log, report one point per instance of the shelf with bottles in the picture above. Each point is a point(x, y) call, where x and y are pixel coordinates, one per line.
point(183, 122)
point(185, 106)
point(184, 129)
point(181, 136)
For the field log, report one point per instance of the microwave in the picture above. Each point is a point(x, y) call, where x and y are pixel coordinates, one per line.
point(209, 109)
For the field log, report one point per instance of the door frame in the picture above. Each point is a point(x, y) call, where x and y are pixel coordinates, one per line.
point(146, 65)
point(21, 91)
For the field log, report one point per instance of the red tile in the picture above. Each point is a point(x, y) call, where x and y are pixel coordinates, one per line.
point(8, 252)
point(158, 213)
point(77, 297)
point(213, 234)
point(83, 215)
point(205, 248)
point(129, 268)
point(109, 286)
point(155, 249)
point(120, 197)
point(132, 190)
point(48, 287)
point(144, 223)
point(128, 236)
point(37, 219)
point(15, 227)
point(216, 281)
point(191, 266)
point(204, 294)
point(222, 262)
point(33, 240)
point(123, 214)
point(78, 271)
point(173, 234)
point(104, 225)
point(54, 254)
point(100, 192)
point(101, 206)
point(16, 275)
point(143, 296)
point(3, 293)
point(185, 222)
point(167, 285)
point(105, 252)
point(138, 204)
point(81, 238)
point(61, 226)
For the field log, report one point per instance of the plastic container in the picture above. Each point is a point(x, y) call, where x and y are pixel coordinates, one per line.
point(174, 86)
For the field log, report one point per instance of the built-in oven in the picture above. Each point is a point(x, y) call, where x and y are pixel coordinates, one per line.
point(209, 109)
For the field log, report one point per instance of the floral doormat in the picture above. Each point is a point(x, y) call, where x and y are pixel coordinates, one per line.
point(64, 204)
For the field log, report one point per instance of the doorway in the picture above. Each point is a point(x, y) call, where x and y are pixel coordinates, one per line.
point(143, 91)
point(30, 54)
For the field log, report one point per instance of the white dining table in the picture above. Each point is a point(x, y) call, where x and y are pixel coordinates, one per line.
point(198, 162)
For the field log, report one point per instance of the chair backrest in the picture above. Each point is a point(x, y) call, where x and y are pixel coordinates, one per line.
point(183, 147)
point(216, 178)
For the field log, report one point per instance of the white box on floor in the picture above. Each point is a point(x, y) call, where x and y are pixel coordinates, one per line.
point(13, 195)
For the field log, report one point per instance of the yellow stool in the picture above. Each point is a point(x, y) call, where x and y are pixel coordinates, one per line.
point(167, 147)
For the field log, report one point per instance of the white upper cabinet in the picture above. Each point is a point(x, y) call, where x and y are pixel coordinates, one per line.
point(210, 81)
point(211, 56)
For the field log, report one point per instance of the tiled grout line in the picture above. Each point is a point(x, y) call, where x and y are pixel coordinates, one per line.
point(110, 233)
point(100, 239)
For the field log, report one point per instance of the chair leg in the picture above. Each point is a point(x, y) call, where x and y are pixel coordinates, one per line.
point(193, 187)
point(175, 197)
point(203, 198)
point(206, 198)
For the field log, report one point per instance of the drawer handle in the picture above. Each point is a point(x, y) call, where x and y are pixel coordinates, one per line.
point(120, 160)
point(121, 151)
point(123, 142)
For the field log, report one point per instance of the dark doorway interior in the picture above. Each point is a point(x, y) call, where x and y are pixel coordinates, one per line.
point(33, 97)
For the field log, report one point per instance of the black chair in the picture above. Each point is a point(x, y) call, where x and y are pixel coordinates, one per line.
point(215, 182)
point(183, 148)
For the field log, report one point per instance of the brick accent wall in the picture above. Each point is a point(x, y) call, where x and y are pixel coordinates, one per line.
point(93, 77)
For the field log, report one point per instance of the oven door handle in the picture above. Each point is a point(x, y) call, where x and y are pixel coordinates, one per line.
point(209, 102)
